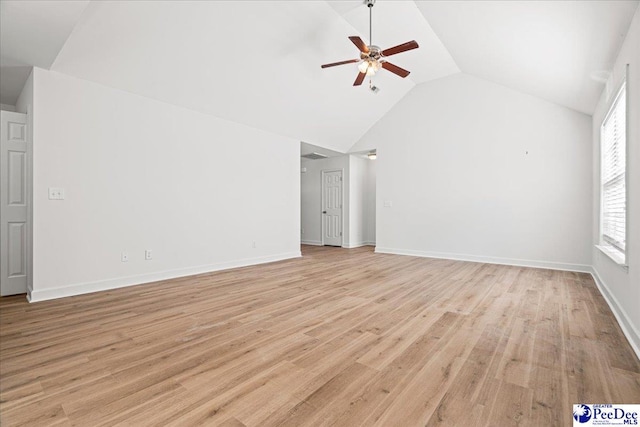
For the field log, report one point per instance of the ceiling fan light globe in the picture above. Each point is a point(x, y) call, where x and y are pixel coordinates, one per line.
point(371, 70)
point(363, 66)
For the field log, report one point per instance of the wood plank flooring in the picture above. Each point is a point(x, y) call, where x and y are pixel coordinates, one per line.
point(339, 337)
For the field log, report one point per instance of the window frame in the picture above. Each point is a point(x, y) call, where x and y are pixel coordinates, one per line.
point(613, 251)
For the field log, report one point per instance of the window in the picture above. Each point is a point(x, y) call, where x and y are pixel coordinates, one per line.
point(613, 196)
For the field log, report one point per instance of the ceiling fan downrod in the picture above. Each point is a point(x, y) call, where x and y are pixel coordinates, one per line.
point(370, 6)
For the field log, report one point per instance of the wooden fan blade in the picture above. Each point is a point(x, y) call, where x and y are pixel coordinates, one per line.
point(359, 44)
point(333, 64)
point(400, 48)
point(395, 69)
point(359, 79)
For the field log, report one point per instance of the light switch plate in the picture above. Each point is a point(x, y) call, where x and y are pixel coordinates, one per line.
point(56, 193)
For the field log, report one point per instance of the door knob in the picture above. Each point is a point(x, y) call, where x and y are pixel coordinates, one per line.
point(324, 212)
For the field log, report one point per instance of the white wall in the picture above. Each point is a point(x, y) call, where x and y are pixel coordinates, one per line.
point(361, 201)
point(370, 202)
point(141, 174)
point(621, 286)
point(477, 171)
point(311, 198)
point(25, 100)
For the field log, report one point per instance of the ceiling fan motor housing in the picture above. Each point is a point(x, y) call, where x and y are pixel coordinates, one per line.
point(374, 53)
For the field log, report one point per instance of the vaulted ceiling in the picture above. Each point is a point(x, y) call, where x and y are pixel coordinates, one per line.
point(258, 62)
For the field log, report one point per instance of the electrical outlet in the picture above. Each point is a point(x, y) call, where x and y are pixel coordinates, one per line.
point(148, 254)
point(124, 257)
point(56, 193)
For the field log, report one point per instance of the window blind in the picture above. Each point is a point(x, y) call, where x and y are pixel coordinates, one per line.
point(613, 174)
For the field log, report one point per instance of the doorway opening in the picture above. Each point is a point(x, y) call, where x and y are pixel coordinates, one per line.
point(320, 220)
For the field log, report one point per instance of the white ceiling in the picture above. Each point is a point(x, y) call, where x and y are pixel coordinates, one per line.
point(306, 148)
point(555, 50)
point(258, 62)
point(32, 33)
point(253, 62)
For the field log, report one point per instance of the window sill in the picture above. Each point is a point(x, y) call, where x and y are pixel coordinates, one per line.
point(614, 255)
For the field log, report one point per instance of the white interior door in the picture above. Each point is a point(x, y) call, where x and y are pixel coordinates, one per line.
point(13, 203)
point(332, 208)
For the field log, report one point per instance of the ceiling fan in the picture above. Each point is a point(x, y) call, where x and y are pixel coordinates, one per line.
point(372, 58)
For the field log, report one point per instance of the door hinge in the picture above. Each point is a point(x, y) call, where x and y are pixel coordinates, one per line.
point(341, 233)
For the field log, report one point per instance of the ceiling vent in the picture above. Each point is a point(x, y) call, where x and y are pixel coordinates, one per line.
point(314, 156)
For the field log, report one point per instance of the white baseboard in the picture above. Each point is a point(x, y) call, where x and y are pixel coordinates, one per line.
point(488, 260)
point(347, 245)
point(358, 245)
point(36, 295)
point(630, 331)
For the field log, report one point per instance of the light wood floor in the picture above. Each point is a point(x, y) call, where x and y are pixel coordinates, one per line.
point(339, 337)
